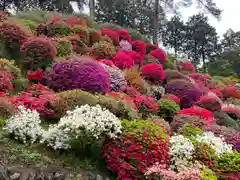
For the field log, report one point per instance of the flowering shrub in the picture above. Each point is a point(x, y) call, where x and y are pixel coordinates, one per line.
point(71, 21)
point(94, 36)
point(117, 79)
point(112, 35)
point(5, 81)
point(77, 73)
point(174, 74)
point(138, 59)
point(171, 97)
point(38, 52)
point(216, 143)
point(231, 92)
point(153, 72)
point(232, 110)
point(210, 102)
point(190, 132)
point(159, 54)
point(139, 47)
point(130, 158)
point(187, 92)
point(122, 60)
point(228, 164)
point(63, 47)
point(107, 62)
point(207, 174)
point(206, 116)
point(181, 151)
point(192, 120)
point(135, 128)
point(13, 36)
point(167, 109)
point(162, 123)
point(36, 75)
point(59, 28)
point(124, 35)
point(134, 79)
point(125, 45)
point(146, 105)
point(217, 92)
point(41, 29)
point(82, 32)
point(25, 125)
point(156, 91)
point(84, 124)
point(7, 109)
point(103, 50)
point(185, 67)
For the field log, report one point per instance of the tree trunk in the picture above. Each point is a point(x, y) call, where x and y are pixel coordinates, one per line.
point(155, 22)
point(92, 8)
point(203, 59)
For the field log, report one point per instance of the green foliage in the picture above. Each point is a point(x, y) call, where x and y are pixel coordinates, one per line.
point(118, 107)
point(58, 29)
point(207, 174)
point(64, 48)
point(103, 50)
point(138, 127)
point(136, 35)
point(167, 109)
point(20, 84)
point(188, 131)
point(228, 163)
point(26, 23)
point(2, 123)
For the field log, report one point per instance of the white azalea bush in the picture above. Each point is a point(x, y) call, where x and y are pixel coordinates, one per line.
point(216, 143)
point(85, 123)
point(25, 125)
point(181, 152)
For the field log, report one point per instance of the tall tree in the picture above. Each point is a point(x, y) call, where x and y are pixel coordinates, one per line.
point(201, 42)
point(231, 40)
point(174, 34)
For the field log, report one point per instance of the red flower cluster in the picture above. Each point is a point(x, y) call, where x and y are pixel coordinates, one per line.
point(37, 98)
point(35, 75)
point(5, 81)
point(124, 35)
point(203, 114)
point(146, 104)
point(231, 92)
point(153, 72)
point(159, 54)
point(171, 97)
point(186, 67)
point(129, 158)
point(139, 47)
point(112, 35)
point(123, 60)
point(71, 21)
point(2, 94)
point(138, 59)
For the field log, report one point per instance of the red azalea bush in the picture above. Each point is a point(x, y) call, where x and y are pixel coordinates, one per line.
point(146, 104)
point(204, 114)
point(130, 158)
point(124, 35)
point(185, 67)
point(210, 102)
point(35, 75)
point(217, 92)
point(6, 81)
point(139, 47)
point(160, 55)
point(231, 92)
point(138, 59)
point(123, 60)
point(153, 73)
point(171, 97)
point(38, 52)
point(112, 35)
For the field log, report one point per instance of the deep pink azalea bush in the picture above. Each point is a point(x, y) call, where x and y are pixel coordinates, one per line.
point(139, 47)
point(79, 73)
point(138, 59)
point(206, 116)
point(187, 92)
point(124, 35)
point(210, 102)
point(38, 52)
point(112, 35)
point(122, 60)
point(160, 55)
point(153, 73)
point(185, 66)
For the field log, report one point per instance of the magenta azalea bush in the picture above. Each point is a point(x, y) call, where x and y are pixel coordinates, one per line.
point(77, 73)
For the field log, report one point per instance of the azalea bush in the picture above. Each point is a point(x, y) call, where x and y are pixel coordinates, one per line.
point(167, 109)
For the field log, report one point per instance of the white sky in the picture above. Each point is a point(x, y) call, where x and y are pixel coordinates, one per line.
point(230, 15)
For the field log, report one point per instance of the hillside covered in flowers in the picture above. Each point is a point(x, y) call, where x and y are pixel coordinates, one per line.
point(77, 87)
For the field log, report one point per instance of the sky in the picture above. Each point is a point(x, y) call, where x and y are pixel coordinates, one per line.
point(229, 19)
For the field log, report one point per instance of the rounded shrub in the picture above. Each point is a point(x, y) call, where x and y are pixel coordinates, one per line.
point(167, 109)
point(117, 79)
point(189, 131)
point(156, 91)
point(171, 97)
point(139, 47)
point(153, 73)
point(82, 32)
point(59, 28)
point(7, 109)
point(187, 92)
point(41, 29)
point(122, 60)
point(38, 52)
point(174, 74)
point(103, 50)
point(94, 36)
point(159, 54)
point(112, 35)
point(137, 127)
point(207, 174)
point(27, 23)
point(78, 73)
point(210, 102)
point(136, 57)
point(185, 67)
point(13, 36)
point(162, 123)
point(124, 35)
point(63, 47)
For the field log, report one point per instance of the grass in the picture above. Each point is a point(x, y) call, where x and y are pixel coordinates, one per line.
point(37, 155)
